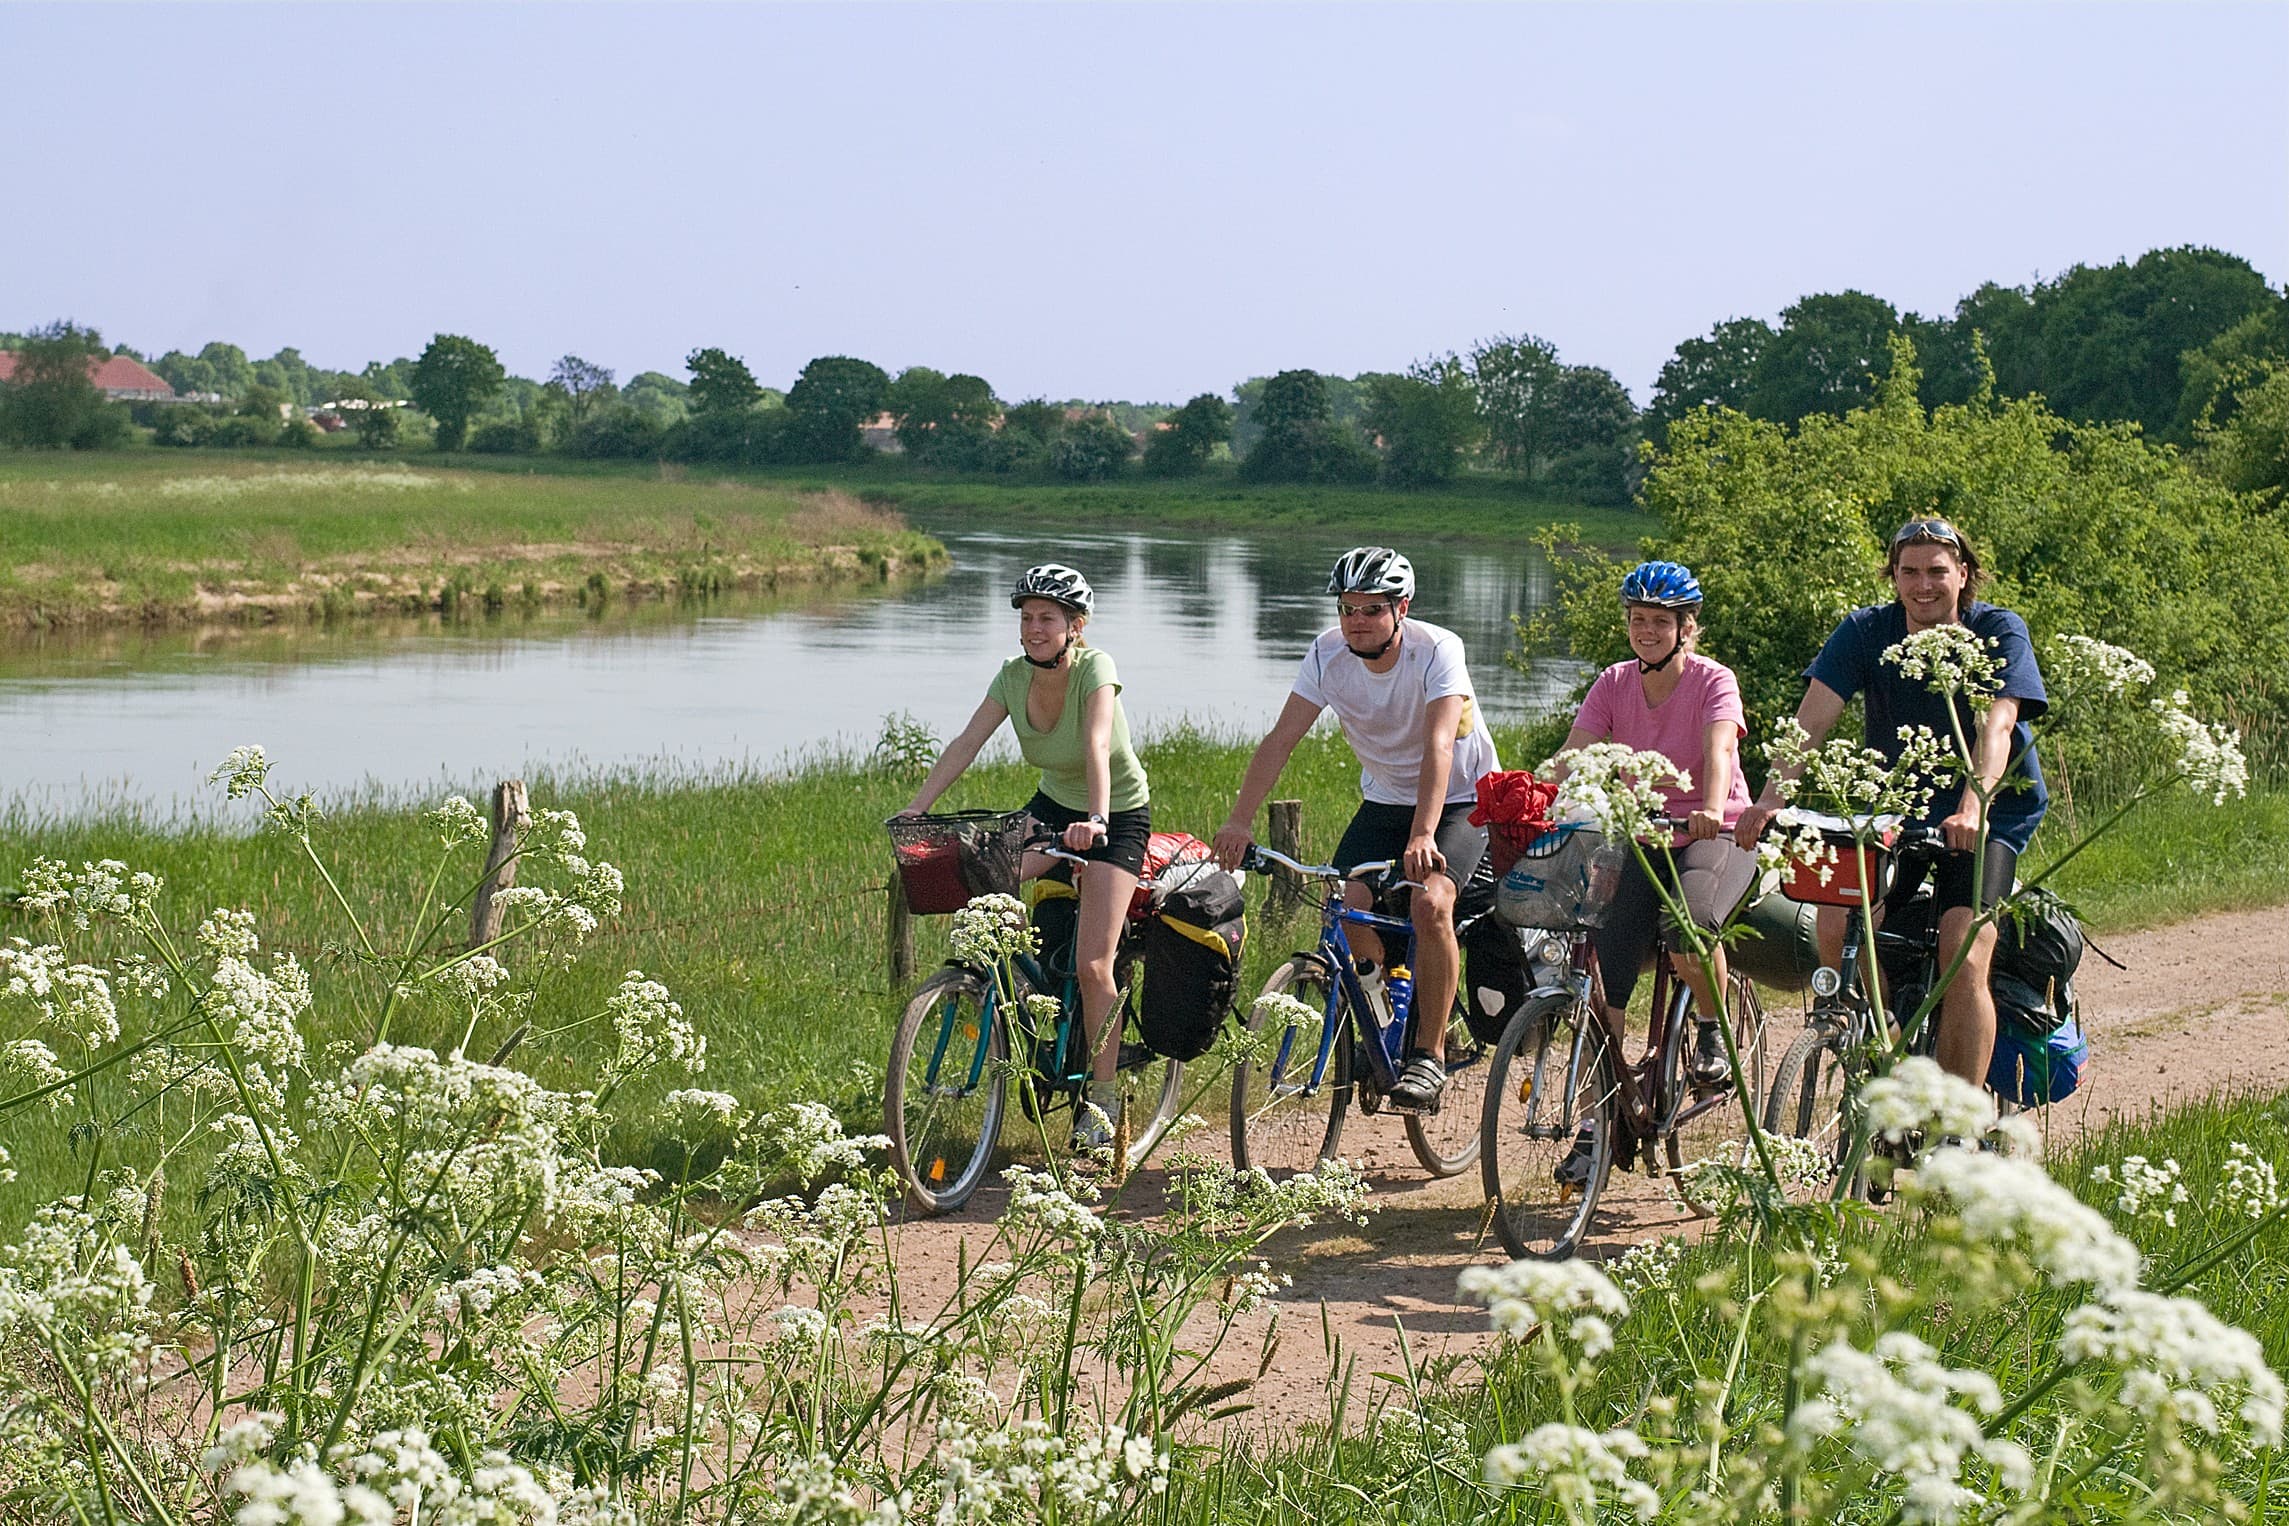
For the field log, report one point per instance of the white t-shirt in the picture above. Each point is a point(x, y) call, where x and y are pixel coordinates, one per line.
point(1382, 713)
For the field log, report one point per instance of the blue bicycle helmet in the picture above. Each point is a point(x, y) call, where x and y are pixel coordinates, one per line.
point(1664, 585)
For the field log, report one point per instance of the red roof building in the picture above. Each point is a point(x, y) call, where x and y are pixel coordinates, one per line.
point(119, 378)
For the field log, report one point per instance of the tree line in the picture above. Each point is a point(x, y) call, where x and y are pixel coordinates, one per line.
point(2189, 344)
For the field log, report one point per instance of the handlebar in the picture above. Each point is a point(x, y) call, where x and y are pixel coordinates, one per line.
point(1258, 858)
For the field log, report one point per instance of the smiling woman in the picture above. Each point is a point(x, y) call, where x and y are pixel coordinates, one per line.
point(123, 540)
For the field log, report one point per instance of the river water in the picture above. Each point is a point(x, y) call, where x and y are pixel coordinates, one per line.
point(1206, 627)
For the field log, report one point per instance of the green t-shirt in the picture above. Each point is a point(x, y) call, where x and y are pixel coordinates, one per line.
point(1057, 752)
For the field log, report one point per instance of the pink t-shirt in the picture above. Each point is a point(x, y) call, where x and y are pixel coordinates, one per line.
point(1615, 711)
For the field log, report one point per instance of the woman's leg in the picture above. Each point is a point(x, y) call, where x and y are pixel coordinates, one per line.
point(1106, 890)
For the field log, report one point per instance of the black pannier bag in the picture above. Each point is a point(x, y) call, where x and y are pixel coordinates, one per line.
point(1495, 979)
point(1192, 948)
point(2038, 939)
point(1056, 920)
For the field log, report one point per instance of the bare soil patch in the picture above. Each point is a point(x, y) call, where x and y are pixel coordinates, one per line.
point(2197, 1010)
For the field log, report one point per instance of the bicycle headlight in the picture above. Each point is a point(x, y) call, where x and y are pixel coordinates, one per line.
point(1826, 982)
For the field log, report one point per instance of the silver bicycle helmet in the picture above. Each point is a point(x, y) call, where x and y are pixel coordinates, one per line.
point(1057, 583)
point(1373, 569)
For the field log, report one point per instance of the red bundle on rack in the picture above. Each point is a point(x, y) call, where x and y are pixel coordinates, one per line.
point(1514, 807)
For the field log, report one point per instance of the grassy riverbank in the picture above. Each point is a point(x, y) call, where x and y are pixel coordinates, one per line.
point(174, 537)
point(759, 902)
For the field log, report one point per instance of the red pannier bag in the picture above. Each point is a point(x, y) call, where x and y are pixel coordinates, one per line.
point(1514, 807)
point(1161, 850)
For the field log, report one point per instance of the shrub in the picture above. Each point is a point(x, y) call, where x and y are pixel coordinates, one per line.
point(183, 425)
point(506, 437)
point(616, 433)
point(298, 433)
point(1090, 449)
point(243, 431)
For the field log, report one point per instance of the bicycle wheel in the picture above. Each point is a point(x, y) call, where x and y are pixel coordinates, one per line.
point(947, 1086)
point(1716, 1127)
point(1809, 1087)
point(1283, 1121)
point(1447, 1141)
point(1552, 1082)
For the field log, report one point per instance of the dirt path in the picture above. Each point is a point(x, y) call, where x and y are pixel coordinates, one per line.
point(2199, 1008)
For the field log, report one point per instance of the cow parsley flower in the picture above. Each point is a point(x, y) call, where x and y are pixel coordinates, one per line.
point(35, 1064)
point(1917, 1097)
point(75, 999)
point(1950, 659)
point(2080, 666)
point(1617, 787)
point(1896, 1404)
point(989, 929)
point(229, 933)
point(2003, 1199)
point(1649, 1266)
point(1569, 1297)
point(1575, 1466)
point(1038, 1201)
point(2148, 1191)
point(242, 773)
point(2251, 1190)
point(810, 1140)
point(651, 1026)
point(458, 822)
point(2177, 1360)
point(2209, 757)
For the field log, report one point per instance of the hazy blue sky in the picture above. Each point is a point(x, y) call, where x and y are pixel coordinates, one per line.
point(1103, 201)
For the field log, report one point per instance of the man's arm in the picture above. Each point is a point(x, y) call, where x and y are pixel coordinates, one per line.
point(1818, 715)
point(1440, 719)
point(1990, 759)
point(1270, 757)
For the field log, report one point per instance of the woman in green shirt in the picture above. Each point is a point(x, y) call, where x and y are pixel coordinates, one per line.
point(1062, 698)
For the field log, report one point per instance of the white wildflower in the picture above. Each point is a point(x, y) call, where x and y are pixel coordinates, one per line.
point(229, 932)
point(1649, 1266)
point(703, 1108)
point(989, 929)
point(475, 1295)
point(2079, 665)
point(241, 1441)
point(1897, 1406)
point(2251, 1190)
point(2173, 1352)
point(1950, 659)
point(810, 1138)
point(75, 999)
point(1528, 1296)
point(1575, 1466)
point(1037, 1201)
point(242, 773)
point(2148, 1190)
point(2001, 1199)
point(35, 1064)
point(1858, 781)
point(1917, 1097)
point(300, 1494)
point(1617, 787)
point(650, 1026)
point(473, 978)
point(2209, 757)
point(457, 822)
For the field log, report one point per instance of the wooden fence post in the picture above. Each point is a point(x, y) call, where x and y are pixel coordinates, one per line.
point(1283, 832)
point(898, 933)
point(512, 815)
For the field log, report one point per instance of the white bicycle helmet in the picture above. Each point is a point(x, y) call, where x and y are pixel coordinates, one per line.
point(1373, 569)
point(1057, 583)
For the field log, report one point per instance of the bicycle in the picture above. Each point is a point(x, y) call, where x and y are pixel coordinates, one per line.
point(1293, 1088)
point(1562, 1107)
point(1822, 1070)
point(944, 1117)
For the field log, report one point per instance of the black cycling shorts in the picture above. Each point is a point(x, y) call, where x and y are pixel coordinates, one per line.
point(1126, 832)
point(1381, 831)
point(1951, 879)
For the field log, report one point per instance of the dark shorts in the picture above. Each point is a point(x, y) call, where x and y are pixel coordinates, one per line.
point(1380, 831)
point(1126, 832)
point(1951, 879)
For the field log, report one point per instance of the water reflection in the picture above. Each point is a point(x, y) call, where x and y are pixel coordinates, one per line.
point(1205, 627)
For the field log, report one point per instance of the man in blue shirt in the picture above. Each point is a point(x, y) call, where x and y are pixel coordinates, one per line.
point(1935, 574)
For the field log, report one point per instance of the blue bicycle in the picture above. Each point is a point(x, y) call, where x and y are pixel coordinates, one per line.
point(951, 1067)
point(1293, 1088)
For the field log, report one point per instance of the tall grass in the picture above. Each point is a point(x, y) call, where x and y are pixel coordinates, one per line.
point(157, 536)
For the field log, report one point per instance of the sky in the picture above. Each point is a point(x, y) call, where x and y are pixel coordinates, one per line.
point(1104, 201)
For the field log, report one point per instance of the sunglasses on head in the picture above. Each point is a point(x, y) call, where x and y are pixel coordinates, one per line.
point(1937, 531)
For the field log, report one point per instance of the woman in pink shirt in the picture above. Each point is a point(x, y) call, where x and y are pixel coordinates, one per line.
point(1669, 699)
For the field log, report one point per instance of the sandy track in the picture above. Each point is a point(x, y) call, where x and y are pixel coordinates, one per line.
point(2198, 1009)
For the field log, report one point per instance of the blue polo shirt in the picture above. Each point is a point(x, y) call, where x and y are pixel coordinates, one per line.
point(1852, 663)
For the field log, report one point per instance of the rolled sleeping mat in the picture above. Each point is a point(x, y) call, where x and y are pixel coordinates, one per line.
point(1779, 941)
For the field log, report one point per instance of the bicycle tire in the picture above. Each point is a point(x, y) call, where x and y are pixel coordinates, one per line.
point(1713, 1129)
point(1447, 1142)
point(1525, 1141)
point(943, 1134)
point(1278, 1125)
point(1809, 1086)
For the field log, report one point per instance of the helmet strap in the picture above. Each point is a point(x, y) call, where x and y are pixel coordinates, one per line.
point(1055, 662)
point(1644, 667)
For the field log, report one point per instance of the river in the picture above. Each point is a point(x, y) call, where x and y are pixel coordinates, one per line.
point(1206, 627)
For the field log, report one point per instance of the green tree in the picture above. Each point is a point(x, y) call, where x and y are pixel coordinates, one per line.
point(1298, 439)
point(2216, 373)
point(52, 400)
point(1513, 376)
point(943, 420)
point(2250, 452)
point(454, 379)
point(1091, 448)
point(583, 384)
point(1826, 357)
point(368, 413)
point(1427, 420)
point(1192, 434)
point(233, 373)
point(828, 404)
point(2085, 528)
point(658, 396)
point(720, 383)
point(1715, 371)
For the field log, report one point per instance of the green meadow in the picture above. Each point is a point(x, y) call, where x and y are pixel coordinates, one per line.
point(168, 537)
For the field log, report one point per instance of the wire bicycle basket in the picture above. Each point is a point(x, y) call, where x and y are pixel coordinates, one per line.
point(1563, 880)
point(945, 860)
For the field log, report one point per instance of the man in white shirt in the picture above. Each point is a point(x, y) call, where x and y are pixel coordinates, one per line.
point(1402, 694)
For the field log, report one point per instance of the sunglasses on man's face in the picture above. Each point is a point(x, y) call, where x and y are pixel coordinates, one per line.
point(1937, 531)
point(1362, 611)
